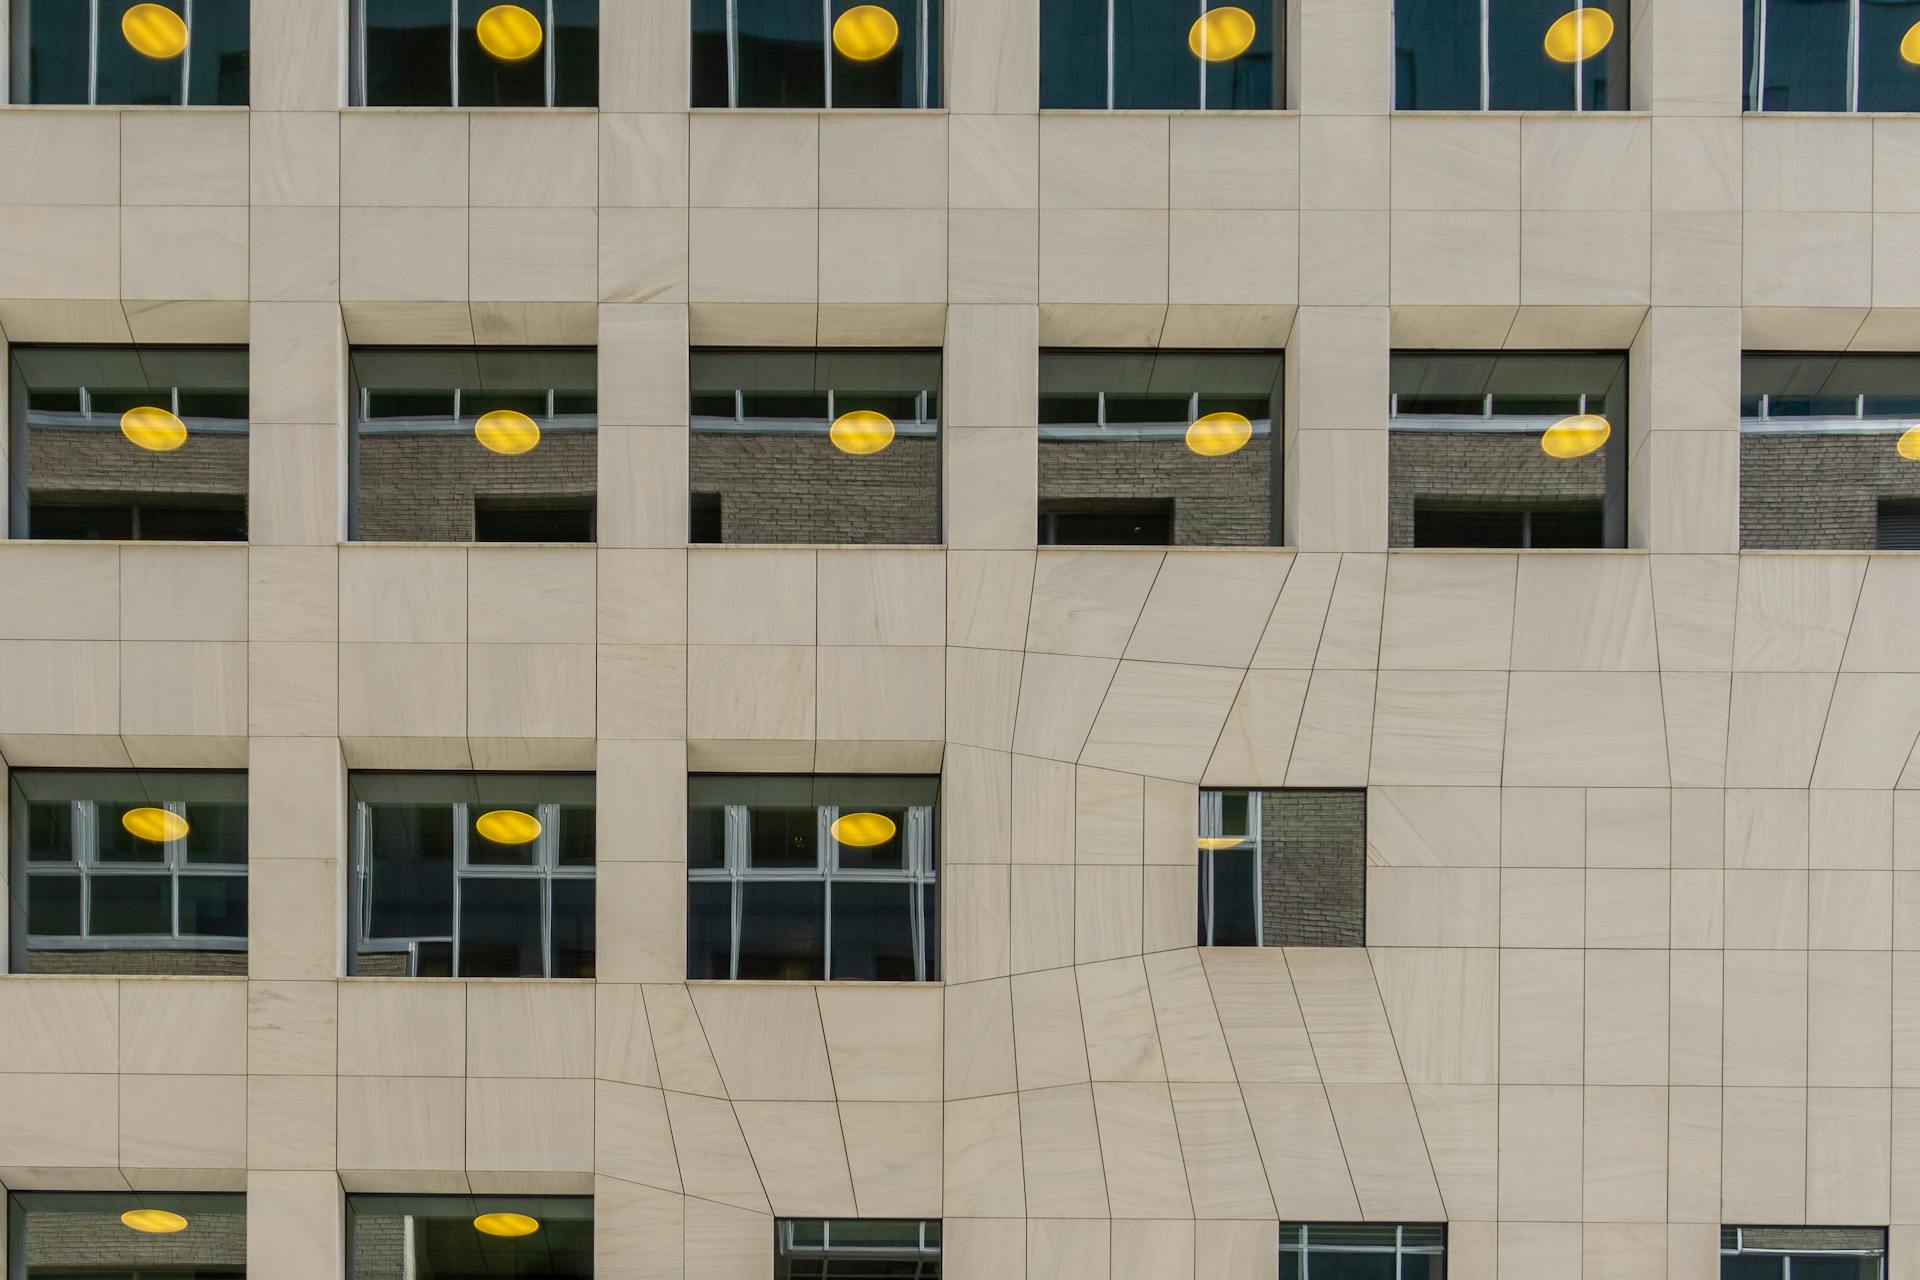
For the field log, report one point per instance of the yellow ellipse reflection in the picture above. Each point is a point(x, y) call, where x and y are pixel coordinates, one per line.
point(863, 830)
point(509, 33)
point(865, 32)
point(1910, 44)
point(153, 428)
point(155, 1222)
point(1221, 842)
point(507, 431)
point(1221, 35)
point(507, 826)
point(1578, 35)
point(1218, 434)
point(1575, 437)
point(506, 1224)
point(1908, 446)
point(156, 825)
point(862, 431)
point(154, 31)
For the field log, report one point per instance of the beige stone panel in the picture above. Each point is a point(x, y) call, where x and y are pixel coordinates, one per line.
point(183, 1122)
point(1589, 259)
point(1848, 1155)
point(1140, 1149)
point(1776, 720)
point(1256, 743)
point(182, 1028)
point(883, 1043)
point(183, 689)
point(976, 923)
point(390, 1028)
point(983, 697)
point(1592, 163)
point(1059, 698)
point(1850, 830)
point(1161, 719)
point(1062, 1153)
point(742, 159)
point(1293, 631)
point(1433, 906)
point(978, 1039)
point(1584, 613)
point(392, 1123)
point(1598, 728)
point(642, 690)
point(1903, 1160)
point(1699, 828)
point(894, 1155)
point(1541, 1248)
point(750, 692)
point(1237, 594)
point(60, 1027)
point(883, 255)
point(1346, 1023)
point(714, 1161)
point(1795, 611)
point(983, 1158)
point(1385, 1153)
point(1460, 1124)
point(741, 596)
point(294, 254)
point(1122, 1036)
point(1149, 1250)
point(641, 596)
point(1103, 255)
point(976, 820)
point(403, 255)
point(1469, 161)
point(186, 253)
point(63, 1121)
point(991, 484)
point(800, 1156)
point(65, 157)
point(1542, 1007)
point(60, 687)
point(1764, 1159)
point(295, 919)
point(178, 158)
point(1069, 1249)
point(987, 598)
point(1456, 257)
point(1697, 1004)
point(1192, 1042)
point(1850, 910)
point(1253, 995)
point(1543, 827)
point(297, 479)
point(71, 592)
point(1629, 827)
point(404, 158)
point(639, 1232)
point(291, 1122)
point(534, 255)
point(1434, 826)
point(1107, 916)
point(643, 379)
point(1448, 613)
point(1849, 1019)
point(532, 691)
point(1885, 617)
point(1627, 908)
point(642, 921)
point(1625, 1155)
point(622, 1040)
point(1693, 1156)
point(1696, 259)
point(1870, 729)
point(1002, 341)
point(1306, 1165)
point(1103, 161)
point(1698, 915)
point(1766, 1018)
point(1439, 728)
point(1624, 1251)
point(59, 251)
point(866, 597)
point(524, 595)
point(1767, 910)
point(726, 1243)
point(1345, 509)
point(984, 1249)
point(1089, 603)
point(1048, 1036)
point(1233, 256)
point(530, 1030)
point(1231, 161)
point(1808, 163)
point(993, 256)
point(1224, 1174)
point(1343, 257)
point(294, 157)
point(296, 1224)
point(753, 255)
point(1807, 259)
point(1172, 903)
point(545, 159)
point(645, 498)
point(292, 1028)
point(1443, 1008)
point(1044, 797)
point(404, 593)
point(686, 1063)
point(892, 693)
point(643, 160)
point(1541, 1153)
point(402, 690)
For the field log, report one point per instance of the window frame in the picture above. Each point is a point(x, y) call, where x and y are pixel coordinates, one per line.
point(357, 64)
point(1739, 1250)
point(920, 869)
point(1304, 1248)
point(1212, 810)
point(1279, 87)
point(922, 71)
point(1753, 90)
point(785, 1251)
point(1574, 68)
point(18, 27)
point(544, 867)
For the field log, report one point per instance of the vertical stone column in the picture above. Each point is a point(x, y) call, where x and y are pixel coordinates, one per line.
point(1336, 429)
point(296, 1226)
point(991, 420)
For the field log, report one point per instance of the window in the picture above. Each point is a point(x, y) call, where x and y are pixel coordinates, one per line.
point(1803, 1253)
point(1104, 55)
point(810, 878)
point(1507, 449)
point(1510, 55)
point(838, 446)
point(1829, 457)
point(1175, 448)
point(816, 53)
point(476, 53)
point(473, 875)
point(465, 444)
point(1831, 55)
point(128, 443)
point(468, 1237)
point(129, 872)
point(1353, 1251)
point(119, 1235)
point(130, 53)
point(846, 1249)
point(1283, 868)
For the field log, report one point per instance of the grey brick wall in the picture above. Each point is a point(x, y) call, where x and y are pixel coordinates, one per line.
point(68, 462)
point(88, 1241)
point(1504, 467)
point(1818, 492)
point(421, 488)
point(379, 1248)
point(1217, 502)
point(135, 962)
point(1313, 868)
point(787, 487)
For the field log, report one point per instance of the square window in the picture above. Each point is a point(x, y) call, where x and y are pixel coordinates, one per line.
point(475, 53)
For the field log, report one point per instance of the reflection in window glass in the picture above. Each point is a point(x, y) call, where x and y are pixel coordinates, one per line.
point(1829, 55)
point(1357, 1251)
point(1147, 55)
point(802, 878)
point(472, 875)
point(839, 446)
point(469, 1237)
point(1170, 448)
point(1540, 55)
point(855, 1249)
point(1507, 449)
point(132, 871)
point(113, 1235)
point(439, 53)
point(800, 53)
point(79, 51)
point(460, 444)
point(1283, 868)
point(128, 443)
point(1829, 454)
point(1803, 1253)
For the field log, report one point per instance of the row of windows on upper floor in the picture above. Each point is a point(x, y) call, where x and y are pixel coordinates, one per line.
point(491, 875)
point(1800, 55)
point(843, 446)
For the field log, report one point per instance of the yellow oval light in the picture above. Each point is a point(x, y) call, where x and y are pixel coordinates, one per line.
point(1221, 35)
point(507, 826)
point(507, 431)
point(153, 428)
point(1575, 437)
point(154, 31)
point(156, 825)
point(863, 431)
point(509, 33)
point(865, 32)
point(1578, 35)
point(1908, 445)
point(506, 1224)
point(1910, 44)
point(863, 830)
point(1221, 842)
point(1218, 434)
point(155, 1222)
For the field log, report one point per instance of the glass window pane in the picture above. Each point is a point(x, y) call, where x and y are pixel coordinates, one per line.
point(127, 77)
point(930, 926)
point(409, 53)
point(781, 58)
point(1250, 81)
point(213, 906)
point(709, 75)
point(50, 832)
point(53, 37)
point(706, 837)
point(873, 931)
point(1352, 1266)
point(487, 81)
point(428, 1237)
point(1436, 55)
point(116, 843)
point(1603, 76)
point(1806, 56)
point(893, 79)
point(1236, 903)
point(784, 838)
point(131, 905)
point(889, 855)
point(1073, 54)
point(576, 53)
point(218, 50)
point(53, 905)
point(500, 928)
point(1152, 66)
point(409, 882)
point(1806, 1267)
point(577, 836)
point(573, 936)
point(783, 930)
point(217, 832)
point(1520, 75)
point(1888, 82)
point(709, 929)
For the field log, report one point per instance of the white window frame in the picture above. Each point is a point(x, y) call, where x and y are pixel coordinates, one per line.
point(1294, 1240)
point(94, 32)
point(925, 1256)
point(453, 54)
point(923, 55)
point(1579, 85)
point(1756, 87)
point(1212, 820)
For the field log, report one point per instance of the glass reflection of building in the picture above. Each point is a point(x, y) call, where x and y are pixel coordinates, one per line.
point(128, 443)
point(456, 1237)
point(800, 53)
point(122, 53)
point(1511, 55)
point(119, 1235)
point(474, 53)
point(464, 444)
point(1831, 55)
point(1148, 55)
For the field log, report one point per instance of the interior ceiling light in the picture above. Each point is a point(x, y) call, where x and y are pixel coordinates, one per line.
point(1575, 437)
point(863, 431)
point(153, 428)
point(1221, 35)
point(865, 32)
point(155, 1222)
point(1908, 445)
point(509, 33)
point(863, 830)
point(1221, 842)
point(1218, 434)
point(507, 826)
point(154, 31)
point(1910, 44)
point(1577, 35)
point(507, 431)
point(156, 825)
point(506, 1224)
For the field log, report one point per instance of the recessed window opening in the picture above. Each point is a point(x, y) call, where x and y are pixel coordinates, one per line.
point(1362, 1251)
point(475, 53)
point(191, 53)
point(1149, 55)
point(816, 53)
point(1511, 55)
point(850, 1249)
point(1831, 55)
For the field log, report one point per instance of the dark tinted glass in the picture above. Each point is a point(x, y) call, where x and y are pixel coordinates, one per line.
point(709, 928)
point(1113, 527)
point(1447, 527)
point(889, 856)
point(1805, 51)
point(781, 57)
point(1522, 77)
point(707, 837)
point(409, 53)
point(50, 832)
point(1751, 1268)
point(873, 931)
point(1888, 82)
point(131, 905)
point(907, 76)
point(577, 838)
point(573, 937)
point(116, 844)
point(1235, 904)
point(1354, 1266)
point(54, 1230)
point(1152, 67)
point(218, 51)
point(53, 40)
point(500, 928)
point(785, 837)
point(433, 1238)
point(782, 930)
point(1436, 55)
point(53, 905)
point(1073, 54)
point(409, 882)
point(213, 906)
point(709, 66)
point(486, 81)
point(123, 75)
point(217, 833)
point(1806, 1267)
point(1567, 529)
point(497, 521)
